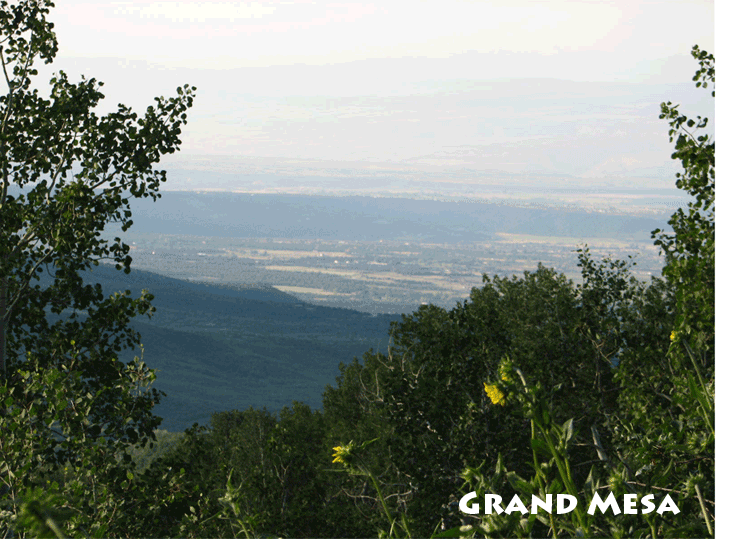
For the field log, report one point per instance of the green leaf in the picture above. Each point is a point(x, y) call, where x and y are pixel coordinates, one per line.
point(519, 484)
point(568, 429)
point(539, 445)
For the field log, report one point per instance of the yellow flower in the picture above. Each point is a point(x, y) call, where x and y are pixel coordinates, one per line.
point(495, 394)
point(673, 336)
point(506, 370)
point(341, 452)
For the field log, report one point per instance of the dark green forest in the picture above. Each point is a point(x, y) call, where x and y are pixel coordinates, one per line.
point(217, 348)
point(531, 386)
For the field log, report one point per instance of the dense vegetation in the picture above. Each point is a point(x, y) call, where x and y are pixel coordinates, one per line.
point(531, 386)
point(213, 347)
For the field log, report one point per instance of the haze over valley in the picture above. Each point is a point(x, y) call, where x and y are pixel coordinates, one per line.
point(374, 254)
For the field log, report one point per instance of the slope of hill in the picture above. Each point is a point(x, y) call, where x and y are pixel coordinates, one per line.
point(222, 348)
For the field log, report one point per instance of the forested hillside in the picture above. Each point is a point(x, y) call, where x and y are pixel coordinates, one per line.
point(533, 386)
point(216, 348)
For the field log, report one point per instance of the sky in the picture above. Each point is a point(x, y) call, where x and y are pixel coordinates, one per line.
point(557, 87)
point(225, 35)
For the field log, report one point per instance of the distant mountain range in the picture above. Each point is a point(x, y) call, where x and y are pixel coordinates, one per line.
point(364, 218)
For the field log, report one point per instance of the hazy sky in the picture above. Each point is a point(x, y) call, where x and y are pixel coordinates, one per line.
point(258, 34)
point(421, 82)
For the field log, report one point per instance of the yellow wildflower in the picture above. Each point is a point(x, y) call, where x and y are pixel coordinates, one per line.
point(495, 394)
point(673, 336)
point(506, 370)
point(341, 452)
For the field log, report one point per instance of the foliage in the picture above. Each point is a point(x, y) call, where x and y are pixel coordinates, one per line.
point(277, 461)
point(690, 251)
point(551, 442)
point(100, 491)
point(56, 216)
point(432, 422)
point(354, 409)
point(68, 403)
point(661, 431)
point(351, 457)
point(667, 421)
point(143, 456)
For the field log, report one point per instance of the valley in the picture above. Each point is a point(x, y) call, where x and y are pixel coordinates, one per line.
point(373, 277)
point(374, 255)
point(259, 297)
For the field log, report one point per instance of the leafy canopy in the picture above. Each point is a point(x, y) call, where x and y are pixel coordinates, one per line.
point(65, 173)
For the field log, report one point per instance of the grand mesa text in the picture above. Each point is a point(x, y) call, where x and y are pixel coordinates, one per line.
point(566, 503)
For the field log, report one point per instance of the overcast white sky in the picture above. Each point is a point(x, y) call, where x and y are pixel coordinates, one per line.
point(250, 34)
point(422, 82)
